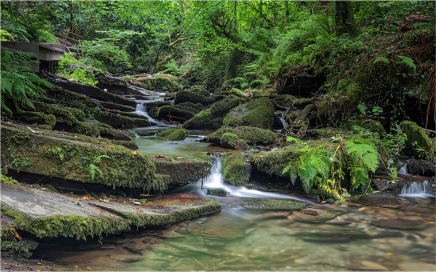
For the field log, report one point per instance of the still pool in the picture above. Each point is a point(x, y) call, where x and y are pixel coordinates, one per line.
point(342, 237)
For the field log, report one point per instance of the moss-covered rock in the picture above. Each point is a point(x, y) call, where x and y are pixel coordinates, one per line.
point(158, 82)
point(216, 192)
point(111, 133)
point(235, 169)
point(220, 108)
point(200, 90)
point(173, 114)
point(273, 204)
point(191, 107)
point(122, 120)
point(174, 134)
point(418, 143)
point(204, 122)
point(181, 172)
point(251, 135)
point(231, 140)
point(421, 167)
point(73, 157)
point(113, 106)
point(36, 117)
point(188, 96)
point(256, 113)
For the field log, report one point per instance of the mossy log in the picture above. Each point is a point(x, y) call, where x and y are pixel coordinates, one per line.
point(76, 158)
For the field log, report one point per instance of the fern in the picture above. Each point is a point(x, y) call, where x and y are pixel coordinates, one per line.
point(381, 59)
point(408, 61)
point(19, 84)
point(362, 153)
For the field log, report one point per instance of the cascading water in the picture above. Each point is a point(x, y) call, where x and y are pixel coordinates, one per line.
point(215, 180)
point(282, 117)
point(416, 189)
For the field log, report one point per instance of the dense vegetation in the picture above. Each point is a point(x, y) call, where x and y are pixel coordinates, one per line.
point(368, 65)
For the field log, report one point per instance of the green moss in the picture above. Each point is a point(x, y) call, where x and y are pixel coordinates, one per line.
point(189, 106)
point(118, 119)
point(33, 117)
point(71, 115)
point(418, 143)
point(182, 172)
point(256, 113)
point(235, 169)
point(216, 192)
point(188, 96)
point(165, 220)
point(220, 108)
point(251, 135)
point(199, 90)
point(172, 113)
point(173, 134)
point(231, 140)
point(76, 158)
point(273, 204)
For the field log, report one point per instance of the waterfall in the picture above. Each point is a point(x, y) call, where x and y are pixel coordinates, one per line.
point(215, 180)
point(416, 189)
point(403, 170)
point(282, 118)
point(141, 109)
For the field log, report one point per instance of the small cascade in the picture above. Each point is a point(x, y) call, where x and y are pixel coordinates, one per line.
point(416, 189)
point(282, 118)
point(403, 170)
point(141, 109)
point(215, 180)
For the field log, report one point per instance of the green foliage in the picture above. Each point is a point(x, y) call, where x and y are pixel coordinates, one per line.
point(46, 37)
point(407, 61)
point(76, 70)
point(93, 163)
point(381, 59)
point(324, 167)
point(104, 51)
point(174, 134)
point(19, 84)
point(6, 36)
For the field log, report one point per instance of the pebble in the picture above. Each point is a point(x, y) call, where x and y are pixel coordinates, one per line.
point(373, 266)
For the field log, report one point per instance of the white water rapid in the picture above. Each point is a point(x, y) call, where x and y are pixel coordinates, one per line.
point(215, 180)
point(416, 189)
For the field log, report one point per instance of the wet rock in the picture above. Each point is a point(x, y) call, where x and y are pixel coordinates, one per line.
point(273, 204)
point(256, 113)
point(188, 96)
point(315, 215)
point(334, 234)
point(400, 223)
point(380, 200)
point(251, 135)
point(417, 138)
point(235, 169)
point(173, 113)
point(216, 192)
point(421, 167)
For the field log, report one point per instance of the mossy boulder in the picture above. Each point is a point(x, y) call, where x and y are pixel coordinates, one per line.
point(418, 143)
point(220, 108)
point(181, 172)
point(200, 90)
point(73, 157)
point(188, 96)
point(231, 140)
point(111, 133)
point(173, 114)
point(421, 167)
point(251, 135)
point(36, 117)
point(235, 169)
point(191, 107)
point(114, 106)
point(158, 82)
point(71, 99)
point(174, 134)
point(204, 122)
point(123, 120)
point(256, 113)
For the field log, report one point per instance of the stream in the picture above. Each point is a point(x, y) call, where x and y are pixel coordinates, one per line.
point(324, 237)
point(330, 237)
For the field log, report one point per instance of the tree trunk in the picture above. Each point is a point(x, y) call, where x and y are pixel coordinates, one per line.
point(344, 18)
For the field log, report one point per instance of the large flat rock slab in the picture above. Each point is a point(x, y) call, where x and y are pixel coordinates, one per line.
point(49, 214)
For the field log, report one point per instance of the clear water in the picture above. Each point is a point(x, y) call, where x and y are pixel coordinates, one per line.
point(189, 148)
point(247, 240)
point(339, 238)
